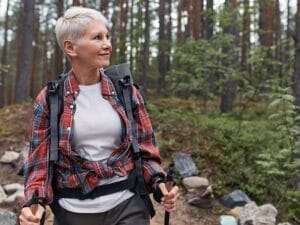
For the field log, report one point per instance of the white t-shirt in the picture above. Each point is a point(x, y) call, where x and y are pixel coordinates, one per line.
point(96, 134)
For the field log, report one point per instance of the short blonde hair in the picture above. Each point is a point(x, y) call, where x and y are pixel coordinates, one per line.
point(73, 23)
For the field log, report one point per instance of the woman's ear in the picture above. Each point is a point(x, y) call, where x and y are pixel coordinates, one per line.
point(69, 48)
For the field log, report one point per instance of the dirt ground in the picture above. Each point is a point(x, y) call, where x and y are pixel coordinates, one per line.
point(14, 124)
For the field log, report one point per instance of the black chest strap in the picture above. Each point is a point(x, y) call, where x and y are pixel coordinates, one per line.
point(106, 189)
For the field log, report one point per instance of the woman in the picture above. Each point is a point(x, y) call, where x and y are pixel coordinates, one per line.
point(94, 136)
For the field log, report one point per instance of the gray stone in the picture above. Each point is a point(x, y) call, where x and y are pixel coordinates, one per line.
point(184, 165)
point(195, 182)
point(235, 198)
point(251, 214)
point(227, 220)
point(247, 214)
point(266, 215)
point(10, 188)
point(12, 198)
point(7, 217)
point(3, 195)
point(204, 203)
point(284, 223)
point(9, 157)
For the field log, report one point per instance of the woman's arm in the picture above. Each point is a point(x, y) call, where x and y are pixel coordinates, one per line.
point(36, 163)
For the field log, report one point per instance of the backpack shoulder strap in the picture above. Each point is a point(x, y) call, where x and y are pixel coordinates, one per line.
point(121, 77)
point(55, 104)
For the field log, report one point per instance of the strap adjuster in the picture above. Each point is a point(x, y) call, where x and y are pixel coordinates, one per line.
point(125, 81)
point(52, 87)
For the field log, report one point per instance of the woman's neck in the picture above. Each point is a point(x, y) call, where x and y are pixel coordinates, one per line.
point(86, 76)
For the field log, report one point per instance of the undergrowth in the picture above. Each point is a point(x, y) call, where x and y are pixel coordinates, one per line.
point(226, 148)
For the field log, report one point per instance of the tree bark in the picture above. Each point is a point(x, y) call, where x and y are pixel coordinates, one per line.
point(266, 22)
point(145, 65)
point(297, 57)
point(104, 7)
point(179, 23)
point(24, 64)
point(197, 18)
point(229, 91)
point(209, 21)
point(123, 30)
point(3, 72)
point(162, 61)
point(245, 38)
point(58, 53)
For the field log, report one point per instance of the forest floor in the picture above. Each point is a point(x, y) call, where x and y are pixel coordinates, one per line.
point(14, 134)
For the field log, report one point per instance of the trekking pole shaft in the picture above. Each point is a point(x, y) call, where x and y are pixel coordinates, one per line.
point(169, 185)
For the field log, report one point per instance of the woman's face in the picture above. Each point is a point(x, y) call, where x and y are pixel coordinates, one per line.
point(94, 48)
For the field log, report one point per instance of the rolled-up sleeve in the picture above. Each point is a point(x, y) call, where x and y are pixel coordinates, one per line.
point(36, 163)
point(146, 140)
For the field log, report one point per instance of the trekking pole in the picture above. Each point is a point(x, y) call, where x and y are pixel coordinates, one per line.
point(169, 185)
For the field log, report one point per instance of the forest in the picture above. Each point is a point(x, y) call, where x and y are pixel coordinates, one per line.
point(221, 78)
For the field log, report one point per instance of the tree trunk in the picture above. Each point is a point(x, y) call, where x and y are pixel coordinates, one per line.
point(169, 35)
point(24, 64)
point(266, 22)
point(3, 72)
point(161, 46)
point(131, 36)
point(58, 55)
point(145, 65)
point(114, 32)
point(35, 79)
point(78, 3)
point(277, 39)
point(197, 25)
point(123, 30)
point(229, 91)
point(179, 23)
point(245, 38)
point(104, 7)
point(209, 20)
point(297, 57)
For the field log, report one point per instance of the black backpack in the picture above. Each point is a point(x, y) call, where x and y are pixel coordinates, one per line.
point(121, 78)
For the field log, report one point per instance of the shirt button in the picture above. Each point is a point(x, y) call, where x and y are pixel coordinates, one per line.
point(67, 92)
point(71, 106)
point(69, 129)
point(113, 92)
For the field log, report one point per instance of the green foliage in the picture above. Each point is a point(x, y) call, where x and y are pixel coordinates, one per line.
point(198, 62)
point(255, 158)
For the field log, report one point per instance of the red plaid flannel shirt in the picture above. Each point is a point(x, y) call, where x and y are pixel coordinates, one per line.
point(73, 171)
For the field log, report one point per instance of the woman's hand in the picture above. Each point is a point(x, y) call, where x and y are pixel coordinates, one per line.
point(28, 218)
point(169, 197)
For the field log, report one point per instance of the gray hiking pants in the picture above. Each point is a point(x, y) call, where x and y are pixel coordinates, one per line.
point(129, 212)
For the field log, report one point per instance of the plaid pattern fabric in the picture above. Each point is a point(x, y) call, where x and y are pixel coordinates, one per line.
point(72, 170)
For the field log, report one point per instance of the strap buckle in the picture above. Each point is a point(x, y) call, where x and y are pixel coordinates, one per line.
point(52, 87)
point(125, 81)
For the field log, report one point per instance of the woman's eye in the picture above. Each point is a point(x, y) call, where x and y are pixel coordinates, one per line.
point(97, 37)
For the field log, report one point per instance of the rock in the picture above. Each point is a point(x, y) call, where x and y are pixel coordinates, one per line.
point(235, 198)
point(247, 216)
point(195, 182)
point(3, 195)
point(253, 215)
point(284, 223)
point(7, 217)
point(184, 165)
point(236, 212)
point(9, 157)
point(227, 220)
point(204, 203)
point(12, 198)
point(266, 215)
point(11, 188)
